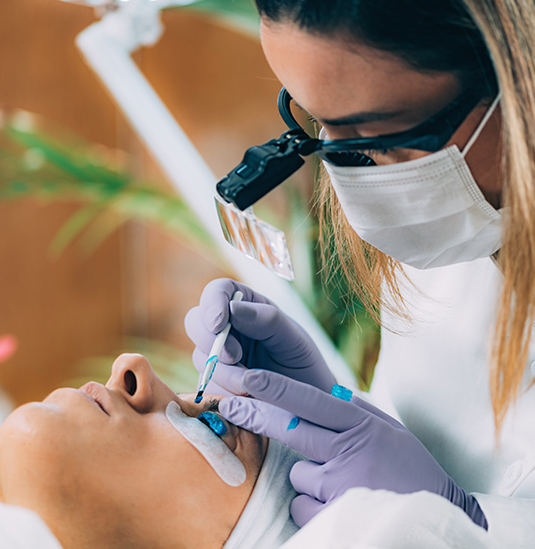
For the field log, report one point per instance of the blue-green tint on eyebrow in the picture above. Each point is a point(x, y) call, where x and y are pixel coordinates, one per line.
point(339, 391)
point(214, 422)
point(293, 424)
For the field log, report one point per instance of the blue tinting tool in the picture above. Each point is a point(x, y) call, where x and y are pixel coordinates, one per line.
point(213, 357)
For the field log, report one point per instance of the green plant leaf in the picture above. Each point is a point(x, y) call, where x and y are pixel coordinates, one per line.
point(73, 175)
point(73, 226)
point(239, 14)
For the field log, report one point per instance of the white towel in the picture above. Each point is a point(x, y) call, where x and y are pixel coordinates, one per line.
point(266, 522)
point(378, 519)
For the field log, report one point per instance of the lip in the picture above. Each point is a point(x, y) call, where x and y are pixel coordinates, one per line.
point(96, 393)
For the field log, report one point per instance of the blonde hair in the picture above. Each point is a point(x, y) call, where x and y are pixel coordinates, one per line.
point(372, 275)
point(508, 28)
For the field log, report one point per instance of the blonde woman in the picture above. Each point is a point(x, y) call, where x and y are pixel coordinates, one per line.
point(427, 113)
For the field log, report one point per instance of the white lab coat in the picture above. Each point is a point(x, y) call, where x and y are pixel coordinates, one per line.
point(435, 380)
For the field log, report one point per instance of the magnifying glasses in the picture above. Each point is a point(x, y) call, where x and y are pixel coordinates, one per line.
point(266, 166)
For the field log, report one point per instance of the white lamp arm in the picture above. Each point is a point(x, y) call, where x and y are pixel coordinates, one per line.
point(106, 46)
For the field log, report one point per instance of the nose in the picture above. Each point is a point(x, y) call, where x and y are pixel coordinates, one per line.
point(134, 379)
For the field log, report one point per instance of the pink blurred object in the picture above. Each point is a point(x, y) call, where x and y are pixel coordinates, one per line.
point(8, 345)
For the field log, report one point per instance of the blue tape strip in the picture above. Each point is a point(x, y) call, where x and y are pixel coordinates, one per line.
point(339, 391)
point(293, 424)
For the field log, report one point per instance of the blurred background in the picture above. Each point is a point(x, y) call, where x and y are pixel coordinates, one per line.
point(97, 253)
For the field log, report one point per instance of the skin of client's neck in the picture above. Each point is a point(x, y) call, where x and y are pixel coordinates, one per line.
point(104, 467)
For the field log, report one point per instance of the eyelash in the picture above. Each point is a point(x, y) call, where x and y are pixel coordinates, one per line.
point(374, 152)
point(367, 152)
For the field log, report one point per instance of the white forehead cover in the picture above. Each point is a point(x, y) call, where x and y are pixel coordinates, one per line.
point(266, 522)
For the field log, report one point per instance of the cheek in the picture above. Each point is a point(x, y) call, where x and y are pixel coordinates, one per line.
point(151, 455)
point(195, 478)
point(397, 156)
point(179, 482)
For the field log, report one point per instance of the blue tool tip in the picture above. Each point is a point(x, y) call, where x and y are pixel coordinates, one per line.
point(214, 422)
point(339, 391)
point(198, 398)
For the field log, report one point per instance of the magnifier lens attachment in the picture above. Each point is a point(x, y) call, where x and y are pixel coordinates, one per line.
point(255, 238)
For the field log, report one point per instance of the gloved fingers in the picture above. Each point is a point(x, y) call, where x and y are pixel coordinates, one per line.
point(215, 299)
point(376, 411)
point(268, 324)
point(262, 418)
point(304, 477)
point(214, 389)
point(303, 508)
point(290, 350)
point(204, 338)
point(226, 376)
point(323, 482)
point(230, 378)
point(303, 400)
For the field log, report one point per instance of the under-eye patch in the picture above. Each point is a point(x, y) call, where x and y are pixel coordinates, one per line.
point(227, 466)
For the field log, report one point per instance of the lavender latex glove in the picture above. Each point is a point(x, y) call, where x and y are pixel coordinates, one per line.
point(351, 444)
point(262, 336)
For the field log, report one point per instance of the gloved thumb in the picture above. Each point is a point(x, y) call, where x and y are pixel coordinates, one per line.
point(303, 508)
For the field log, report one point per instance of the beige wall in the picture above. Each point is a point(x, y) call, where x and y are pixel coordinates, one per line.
point(140, 281)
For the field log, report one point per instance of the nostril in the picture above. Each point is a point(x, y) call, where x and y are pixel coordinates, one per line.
point(130, 382)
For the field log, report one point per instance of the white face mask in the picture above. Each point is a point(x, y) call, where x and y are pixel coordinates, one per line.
point(425, 213)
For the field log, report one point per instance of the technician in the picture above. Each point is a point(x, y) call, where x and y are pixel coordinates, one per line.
point(433, 220)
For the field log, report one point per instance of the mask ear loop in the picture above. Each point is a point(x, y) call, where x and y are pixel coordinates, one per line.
point(481, 125)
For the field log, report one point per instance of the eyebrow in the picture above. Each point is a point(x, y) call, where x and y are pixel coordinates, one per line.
point(361, 118)
point(211, 406)
point(357, 118)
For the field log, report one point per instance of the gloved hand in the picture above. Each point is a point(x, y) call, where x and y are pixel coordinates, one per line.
point(351, 444)
point(262, 336)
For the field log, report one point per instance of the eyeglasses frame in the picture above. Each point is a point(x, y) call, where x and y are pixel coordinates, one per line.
point(430, 135)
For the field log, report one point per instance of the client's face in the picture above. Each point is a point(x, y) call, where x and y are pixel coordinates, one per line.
point(104, 467)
